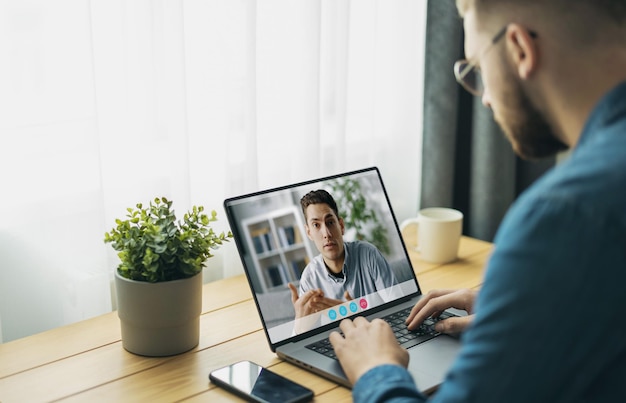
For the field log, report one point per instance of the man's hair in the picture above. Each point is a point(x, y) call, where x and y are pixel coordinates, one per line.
point(318, 197)
point(614, 10)
point(574, 23)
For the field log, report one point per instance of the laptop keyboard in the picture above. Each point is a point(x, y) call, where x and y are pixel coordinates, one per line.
point(406, 338)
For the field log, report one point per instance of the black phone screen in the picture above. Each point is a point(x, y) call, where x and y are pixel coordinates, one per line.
point(253, 381)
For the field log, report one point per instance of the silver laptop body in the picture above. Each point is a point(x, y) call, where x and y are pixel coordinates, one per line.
point(268, 227)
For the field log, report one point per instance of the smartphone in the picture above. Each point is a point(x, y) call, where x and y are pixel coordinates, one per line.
point(257, 384)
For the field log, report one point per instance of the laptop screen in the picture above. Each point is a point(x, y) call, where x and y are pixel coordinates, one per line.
point(310, 271)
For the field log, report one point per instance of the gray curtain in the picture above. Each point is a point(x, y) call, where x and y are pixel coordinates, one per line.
point(468, 164)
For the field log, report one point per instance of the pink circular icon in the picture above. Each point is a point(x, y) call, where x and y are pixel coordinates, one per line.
point(363, 303)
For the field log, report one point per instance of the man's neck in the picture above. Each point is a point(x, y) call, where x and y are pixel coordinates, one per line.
point(572, 94)
point(335, 266)
point(335, 274)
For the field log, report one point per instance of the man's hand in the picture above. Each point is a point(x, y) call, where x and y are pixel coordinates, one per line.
point(437, 301)
point(313, 301)
point(365, 345)
point(322, 302)
point(306, 303)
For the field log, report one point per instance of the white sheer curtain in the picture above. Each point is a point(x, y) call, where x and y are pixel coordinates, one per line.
point(106, 103)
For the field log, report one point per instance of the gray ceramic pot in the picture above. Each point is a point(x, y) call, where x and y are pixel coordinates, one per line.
point(159, 319)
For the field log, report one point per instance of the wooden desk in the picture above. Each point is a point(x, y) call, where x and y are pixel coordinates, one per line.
point(85, 361)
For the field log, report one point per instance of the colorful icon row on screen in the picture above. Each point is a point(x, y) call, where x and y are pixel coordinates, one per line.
point(349, 308)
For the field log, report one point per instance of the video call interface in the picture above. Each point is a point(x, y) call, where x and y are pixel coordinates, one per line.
point(276, 250)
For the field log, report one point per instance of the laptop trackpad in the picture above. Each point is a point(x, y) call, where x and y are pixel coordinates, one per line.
point(430, 361)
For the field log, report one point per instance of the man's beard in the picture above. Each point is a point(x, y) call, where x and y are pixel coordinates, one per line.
point(525, 127)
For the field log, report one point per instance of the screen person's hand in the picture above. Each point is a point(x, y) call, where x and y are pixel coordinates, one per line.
point(304, 304)
point(437, 301)
point(313, 301)
point(365, 345)
point(322, 302)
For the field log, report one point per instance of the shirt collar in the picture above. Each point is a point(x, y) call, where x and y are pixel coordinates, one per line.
point(344, 269)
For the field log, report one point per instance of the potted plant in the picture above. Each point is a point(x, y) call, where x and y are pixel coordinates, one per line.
point(158, 281)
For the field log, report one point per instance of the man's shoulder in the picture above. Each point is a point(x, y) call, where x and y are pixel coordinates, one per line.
point(591, 183)
point(314, 266)
point(596, 169)
point(361, 250)
point(581, 201)
point(359, 245)
point(316, 262)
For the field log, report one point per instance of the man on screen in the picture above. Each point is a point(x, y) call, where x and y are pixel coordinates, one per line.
point(343, 270)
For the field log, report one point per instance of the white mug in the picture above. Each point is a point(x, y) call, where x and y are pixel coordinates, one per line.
point(438, 233)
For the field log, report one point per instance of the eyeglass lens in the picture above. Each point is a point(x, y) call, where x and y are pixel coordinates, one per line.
point(471, 80)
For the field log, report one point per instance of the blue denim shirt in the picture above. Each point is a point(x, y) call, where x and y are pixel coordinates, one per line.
point(550, 323)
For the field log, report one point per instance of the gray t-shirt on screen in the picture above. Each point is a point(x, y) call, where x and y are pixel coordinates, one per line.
point(365, 271)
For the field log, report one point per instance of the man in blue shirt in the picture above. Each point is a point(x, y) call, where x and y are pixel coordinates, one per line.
point(343, 270)
point(547, 325)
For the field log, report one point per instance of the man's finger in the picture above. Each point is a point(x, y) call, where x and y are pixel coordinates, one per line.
point(294, 292)
point(425, 300)
point(454, 325)
point(427, 310)
point(437, 302)
point(309, 297)
point(335, 337)
point(346, 325)
point(347, 296)
point(327, 302)
point(361, 321)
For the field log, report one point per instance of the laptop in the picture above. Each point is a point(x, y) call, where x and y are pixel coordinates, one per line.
point(269, 230)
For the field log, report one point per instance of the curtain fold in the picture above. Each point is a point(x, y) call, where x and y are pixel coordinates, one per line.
point(467, 162)
point(109, 103)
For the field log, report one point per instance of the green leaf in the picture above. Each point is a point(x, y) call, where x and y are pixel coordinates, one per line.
point(152, 246)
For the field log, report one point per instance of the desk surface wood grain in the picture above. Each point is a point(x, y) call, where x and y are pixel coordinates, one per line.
point(85, 361)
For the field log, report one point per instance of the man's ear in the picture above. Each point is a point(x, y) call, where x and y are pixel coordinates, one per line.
point(523, 50)
point(308, 231)
point(343, 226)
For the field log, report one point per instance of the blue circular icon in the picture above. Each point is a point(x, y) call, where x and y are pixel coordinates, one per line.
point(343, 311)
point(353, 307)
point(332, 314)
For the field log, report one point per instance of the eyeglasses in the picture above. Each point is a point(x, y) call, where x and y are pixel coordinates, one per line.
point(467, 73)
